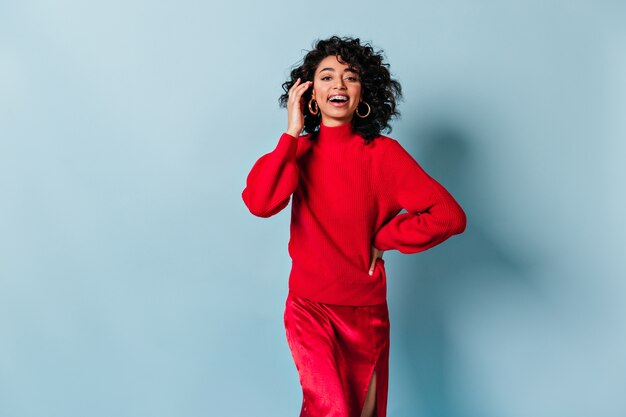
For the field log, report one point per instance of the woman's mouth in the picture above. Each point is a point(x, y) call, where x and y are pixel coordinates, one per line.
point(338, 100)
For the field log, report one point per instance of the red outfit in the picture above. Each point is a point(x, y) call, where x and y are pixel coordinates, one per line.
point(336, 349)
point(346, 197)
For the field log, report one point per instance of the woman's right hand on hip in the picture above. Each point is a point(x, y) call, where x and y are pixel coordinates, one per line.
point(295, 107)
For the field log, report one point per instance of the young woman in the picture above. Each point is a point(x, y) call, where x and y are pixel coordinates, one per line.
point(348, 184)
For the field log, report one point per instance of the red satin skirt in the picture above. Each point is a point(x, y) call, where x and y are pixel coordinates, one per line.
point(336, 349)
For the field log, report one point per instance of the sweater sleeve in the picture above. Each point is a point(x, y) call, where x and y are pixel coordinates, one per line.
point(432, 213)
point(272, 179)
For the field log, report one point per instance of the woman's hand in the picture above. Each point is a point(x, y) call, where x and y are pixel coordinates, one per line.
point(295, 108)
point(376, 253)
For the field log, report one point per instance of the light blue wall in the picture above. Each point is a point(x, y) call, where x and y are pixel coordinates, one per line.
point(134, 282)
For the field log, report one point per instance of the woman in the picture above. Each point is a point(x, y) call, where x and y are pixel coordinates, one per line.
point(349, 184)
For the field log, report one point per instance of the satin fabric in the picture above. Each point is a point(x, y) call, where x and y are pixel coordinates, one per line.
point(336, 349)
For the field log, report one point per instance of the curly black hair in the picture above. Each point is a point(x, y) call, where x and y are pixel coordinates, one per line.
point(378, 89)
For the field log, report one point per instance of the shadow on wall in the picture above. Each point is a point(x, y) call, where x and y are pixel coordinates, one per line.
point(436, 281)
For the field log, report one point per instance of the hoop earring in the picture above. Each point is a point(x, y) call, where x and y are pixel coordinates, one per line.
point(317, 108)
point(369, 109)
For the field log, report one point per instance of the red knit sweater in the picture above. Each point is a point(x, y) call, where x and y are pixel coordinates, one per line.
point(347, 196)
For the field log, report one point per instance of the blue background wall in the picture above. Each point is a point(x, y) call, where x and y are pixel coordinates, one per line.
point(134, 282)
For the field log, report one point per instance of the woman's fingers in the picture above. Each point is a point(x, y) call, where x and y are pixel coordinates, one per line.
point(296, 91)
point(372, 266)
point(297, 85)
point(295, 106)
point(376, 253)
point(293, 88)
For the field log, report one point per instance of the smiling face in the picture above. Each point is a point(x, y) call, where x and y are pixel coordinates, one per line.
point(337, 81)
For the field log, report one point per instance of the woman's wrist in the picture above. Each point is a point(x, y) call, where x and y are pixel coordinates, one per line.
point(292, 133)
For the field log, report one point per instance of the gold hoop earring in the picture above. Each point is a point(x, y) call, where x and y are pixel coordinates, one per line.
point(317, 108)
point(369, 109)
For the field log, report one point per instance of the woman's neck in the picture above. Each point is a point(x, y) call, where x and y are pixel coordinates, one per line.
point(335, 134)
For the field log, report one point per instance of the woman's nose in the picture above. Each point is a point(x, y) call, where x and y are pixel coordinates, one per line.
point(340, 84)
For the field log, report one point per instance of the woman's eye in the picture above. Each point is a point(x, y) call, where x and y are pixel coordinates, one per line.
point(328, 77)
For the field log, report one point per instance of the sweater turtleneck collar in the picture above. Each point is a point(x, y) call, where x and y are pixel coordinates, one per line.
point(335, 134)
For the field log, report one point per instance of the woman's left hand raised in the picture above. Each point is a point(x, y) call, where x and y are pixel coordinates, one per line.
point(376, 253)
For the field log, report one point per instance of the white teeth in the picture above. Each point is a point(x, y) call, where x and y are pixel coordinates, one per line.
point(344, 98)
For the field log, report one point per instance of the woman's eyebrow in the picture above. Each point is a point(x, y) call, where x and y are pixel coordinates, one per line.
point(347, 70)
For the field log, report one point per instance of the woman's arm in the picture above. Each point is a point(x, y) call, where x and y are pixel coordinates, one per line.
point(433, 215)
point(274, 176)
point(272, 179)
